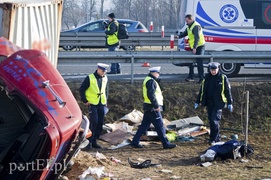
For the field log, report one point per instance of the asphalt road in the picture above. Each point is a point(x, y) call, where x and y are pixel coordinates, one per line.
point(168, 72)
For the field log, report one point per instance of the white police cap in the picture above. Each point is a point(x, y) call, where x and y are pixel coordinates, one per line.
point(103, 66)
point(214, 65)
point(155, 69)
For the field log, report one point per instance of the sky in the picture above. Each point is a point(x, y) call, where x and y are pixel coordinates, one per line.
point(107, 4)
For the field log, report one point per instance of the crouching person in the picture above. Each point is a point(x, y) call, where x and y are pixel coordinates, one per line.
point(153, 105)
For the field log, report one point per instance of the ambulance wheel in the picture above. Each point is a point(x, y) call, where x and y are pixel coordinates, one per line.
point(230, 69)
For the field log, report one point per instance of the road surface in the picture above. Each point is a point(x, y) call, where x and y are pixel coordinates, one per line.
point(168, 72)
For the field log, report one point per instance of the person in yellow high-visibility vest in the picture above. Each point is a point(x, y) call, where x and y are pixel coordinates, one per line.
point(93, 92)
point(112, 41)
point(215, 93)
point(153, 105)
point(197, 44)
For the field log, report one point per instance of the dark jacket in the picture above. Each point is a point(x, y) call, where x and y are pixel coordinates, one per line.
point(113, 29)
point(151, 88)
point(195, 31)
point(85, 85)
point(211, 90)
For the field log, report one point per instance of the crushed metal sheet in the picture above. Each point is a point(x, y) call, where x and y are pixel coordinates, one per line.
point(116, 137)
point(187, 130)
point(183, 123)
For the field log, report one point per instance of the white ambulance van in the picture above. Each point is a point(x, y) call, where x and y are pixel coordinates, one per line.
point(232, 25)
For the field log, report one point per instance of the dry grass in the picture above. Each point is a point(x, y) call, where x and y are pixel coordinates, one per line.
point(184, 160)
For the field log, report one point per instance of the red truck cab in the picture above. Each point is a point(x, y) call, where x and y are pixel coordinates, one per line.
point(41, 124)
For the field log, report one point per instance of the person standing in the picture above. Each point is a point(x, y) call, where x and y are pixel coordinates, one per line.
point(93, 92)
point(197, 44)
point(112, 41)
point(215, 93)
point(153, 105)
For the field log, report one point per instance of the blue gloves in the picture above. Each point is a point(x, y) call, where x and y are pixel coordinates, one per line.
point(230, 107)
point(196, 105)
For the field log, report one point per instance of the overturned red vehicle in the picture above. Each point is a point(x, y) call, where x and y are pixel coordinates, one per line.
point(41, 124)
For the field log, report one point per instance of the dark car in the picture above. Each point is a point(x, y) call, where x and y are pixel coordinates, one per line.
point(98, 27)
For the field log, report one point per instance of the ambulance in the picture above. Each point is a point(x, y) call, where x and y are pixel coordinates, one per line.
point(231, 25)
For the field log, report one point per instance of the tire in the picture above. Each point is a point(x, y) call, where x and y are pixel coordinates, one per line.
point(68, 48)
point(230, 69)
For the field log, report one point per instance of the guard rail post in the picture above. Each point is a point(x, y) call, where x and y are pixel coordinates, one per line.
point(132, 69)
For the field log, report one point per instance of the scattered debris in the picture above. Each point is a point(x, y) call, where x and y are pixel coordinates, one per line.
point(186, 131)
point(120, 125)
point(115, 160)
point(175, 177)
point(186, 138)
point(141, 165)
point(151, 133)
point(258, 167)
point(124, 143)
point(144, 164)
point(134, 117)
point(244, 160)
point(183, 123)
point(146, 179)
point(166, 171)
point(171, 135)
point(100, 155)
point(208, 156)
point(200, 132)
point(234, 136)
point(206, 164)
point(116, 137)
point(93, 171)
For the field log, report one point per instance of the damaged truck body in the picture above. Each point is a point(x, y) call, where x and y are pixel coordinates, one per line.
point(41, 124)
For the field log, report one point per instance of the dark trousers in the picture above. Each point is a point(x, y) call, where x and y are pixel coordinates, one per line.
point(199, 51)
point(214, 116)
point(96, 118)
point(113, 48)
point(156, 119)
point(115, 67)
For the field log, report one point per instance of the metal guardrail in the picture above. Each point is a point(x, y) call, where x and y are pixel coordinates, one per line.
point(86, 39)
point(164, 57)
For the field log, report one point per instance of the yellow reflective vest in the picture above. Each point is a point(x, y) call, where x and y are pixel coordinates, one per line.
point(93, 93)
point(191, 37)
point(112, 39)
point(223, 96)
point(158, 92)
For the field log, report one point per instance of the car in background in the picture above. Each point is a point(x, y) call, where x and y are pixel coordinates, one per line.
point(98, 27)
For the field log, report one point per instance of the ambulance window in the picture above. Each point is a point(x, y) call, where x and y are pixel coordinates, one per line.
point(263, 18)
